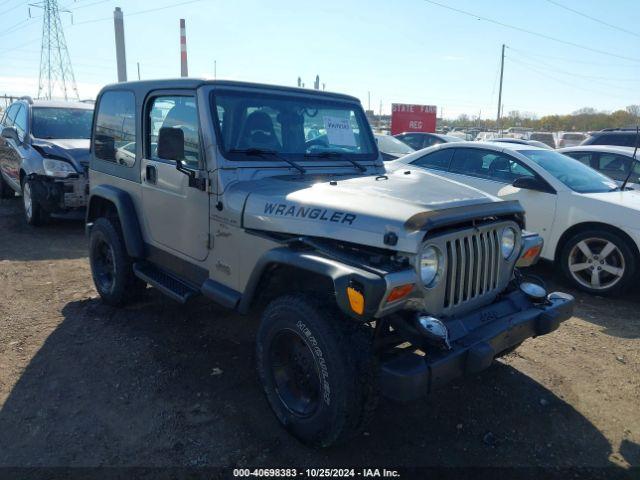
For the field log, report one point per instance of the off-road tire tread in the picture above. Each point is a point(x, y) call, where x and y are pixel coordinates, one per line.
point(353, 343)
point(132, 286)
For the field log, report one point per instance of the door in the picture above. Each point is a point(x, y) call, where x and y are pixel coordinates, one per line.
point(9, 149)
point(494, 172)
point(176, 214)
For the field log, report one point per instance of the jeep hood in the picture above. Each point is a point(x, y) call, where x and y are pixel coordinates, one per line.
point(75, 151)
point(362, 209)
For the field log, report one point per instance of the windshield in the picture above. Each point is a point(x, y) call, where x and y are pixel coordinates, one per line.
point(572, 173)
point(61, 123)
point(389, 144)
point(299, 128)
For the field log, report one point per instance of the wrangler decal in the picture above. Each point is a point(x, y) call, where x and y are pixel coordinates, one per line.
point(326, 215)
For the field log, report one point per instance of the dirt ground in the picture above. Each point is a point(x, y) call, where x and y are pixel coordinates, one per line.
point(157, 384)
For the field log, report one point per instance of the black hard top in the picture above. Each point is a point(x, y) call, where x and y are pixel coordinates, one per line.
point(145, 86)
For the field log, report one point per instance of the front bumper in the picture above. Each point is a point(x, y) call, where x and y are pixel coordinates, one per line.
point(476, 340)
point(61, 195)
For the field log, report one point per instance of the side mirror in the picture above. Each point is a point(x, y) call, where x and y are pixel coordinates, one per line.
point(530, 183)
point(104, 147)
point(12, 133)
point(171, 144)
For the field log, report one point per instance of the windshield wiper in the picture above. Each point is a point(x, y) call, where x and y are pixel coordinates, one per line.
point(260, 152)
point(337, 155)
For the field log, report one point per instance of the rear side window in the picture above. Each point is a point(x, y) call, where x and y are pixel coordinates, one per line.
point(582, 157)
point(414, 141)
point(115, 133)
point(438, 160)
point(488, 164)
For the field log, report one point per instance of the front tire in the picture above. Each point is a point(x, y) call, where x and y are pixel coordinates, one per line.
point(111, 266)
point(598, 262)
point(316, 368)
point(34, 214)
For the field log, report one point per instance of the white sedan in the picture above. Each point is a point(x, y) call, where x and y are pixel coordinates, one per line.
point(591, 229)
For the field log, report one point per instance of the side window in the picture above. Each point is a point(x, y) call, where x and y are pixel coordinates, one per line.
point(414, 141)
point(582, 157)
point(179, 114)
point(11, 114)
point(438, 160)
point(612, 163)
point(488, 164)
point(430, 141)
point(115, 130)
point(20, 122)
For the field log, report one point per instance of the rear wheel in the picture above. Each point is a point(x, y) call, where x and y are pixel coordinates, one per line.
point(599, 262)
point(316, 369)
point(111, 266)
point(33, 211)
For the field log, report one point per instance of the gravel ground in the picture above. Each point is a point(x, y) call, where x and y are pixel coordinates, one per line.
point(157, 384)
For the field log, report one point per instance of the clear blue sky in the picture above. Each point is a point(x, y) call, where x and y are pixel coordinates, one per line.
point(406, 51)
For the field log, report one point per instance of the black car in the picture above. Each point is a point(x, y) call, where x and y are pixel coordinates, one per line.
point(44, 156)
point(420, 140)
point(624, 137)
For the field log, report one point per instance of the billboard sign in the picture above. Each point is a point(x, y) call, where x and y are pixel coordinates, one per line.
point(412, 118)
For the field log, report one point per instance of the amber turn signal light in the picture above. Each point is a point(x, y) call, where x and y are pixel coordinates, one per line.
point(356, 300)
point(400, 292)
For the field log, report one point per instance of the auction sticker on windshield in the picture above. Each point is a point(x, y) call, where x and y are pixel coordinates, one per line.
point(339, 131)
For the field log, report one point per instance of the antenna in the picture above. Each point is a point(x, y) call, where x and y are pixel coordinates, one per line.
point(633, 160)
point(56, 73)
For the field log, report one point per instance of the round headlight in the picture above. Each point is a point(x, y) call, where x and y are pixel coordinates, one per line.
point(429, 265)
point(508, 242)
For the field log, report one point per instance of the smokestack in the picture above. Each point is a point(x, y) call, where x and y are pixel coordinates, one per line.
point(121, 56)
point(184, 70)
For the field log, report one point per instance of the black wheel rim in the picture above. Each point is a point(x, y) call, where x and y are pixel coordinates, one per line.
point(295, 374)
point(104, 265)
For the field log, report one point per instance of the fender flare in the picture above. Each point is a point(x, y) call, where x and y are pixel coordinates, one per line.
point(126, 214)
point(371, 285)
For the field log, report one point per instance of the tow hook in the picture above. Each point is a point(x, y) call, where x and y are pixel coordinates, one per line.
point(434, 330)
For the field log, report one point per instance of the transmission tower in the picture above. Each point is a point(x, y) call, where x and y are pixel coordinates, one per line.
point(56, 73)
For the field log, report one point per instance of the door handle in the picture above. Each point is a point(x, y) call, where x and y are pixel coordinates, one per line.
point(152, 174)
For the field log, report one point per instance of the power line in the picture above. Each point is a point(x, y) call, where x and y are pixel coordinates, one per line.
point(573, 60)
point(560, 80)
point(582, 14)
point(574, 74)
point(140, 12)
point(531, 32)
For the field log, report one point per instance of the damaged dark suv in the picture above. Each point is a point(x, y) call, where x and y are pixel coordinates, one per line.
point(44, 156)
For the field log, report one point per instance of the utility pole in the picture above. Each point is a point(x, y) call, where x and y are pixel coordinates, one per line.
point(369, 101)
point(215, 69)
point(500, 91)
point(56, 73)
point(121, 55)
point(138, 70)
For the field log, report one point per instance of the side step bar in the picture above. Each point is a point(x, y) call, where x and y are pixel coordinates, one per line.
point(165, 282)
